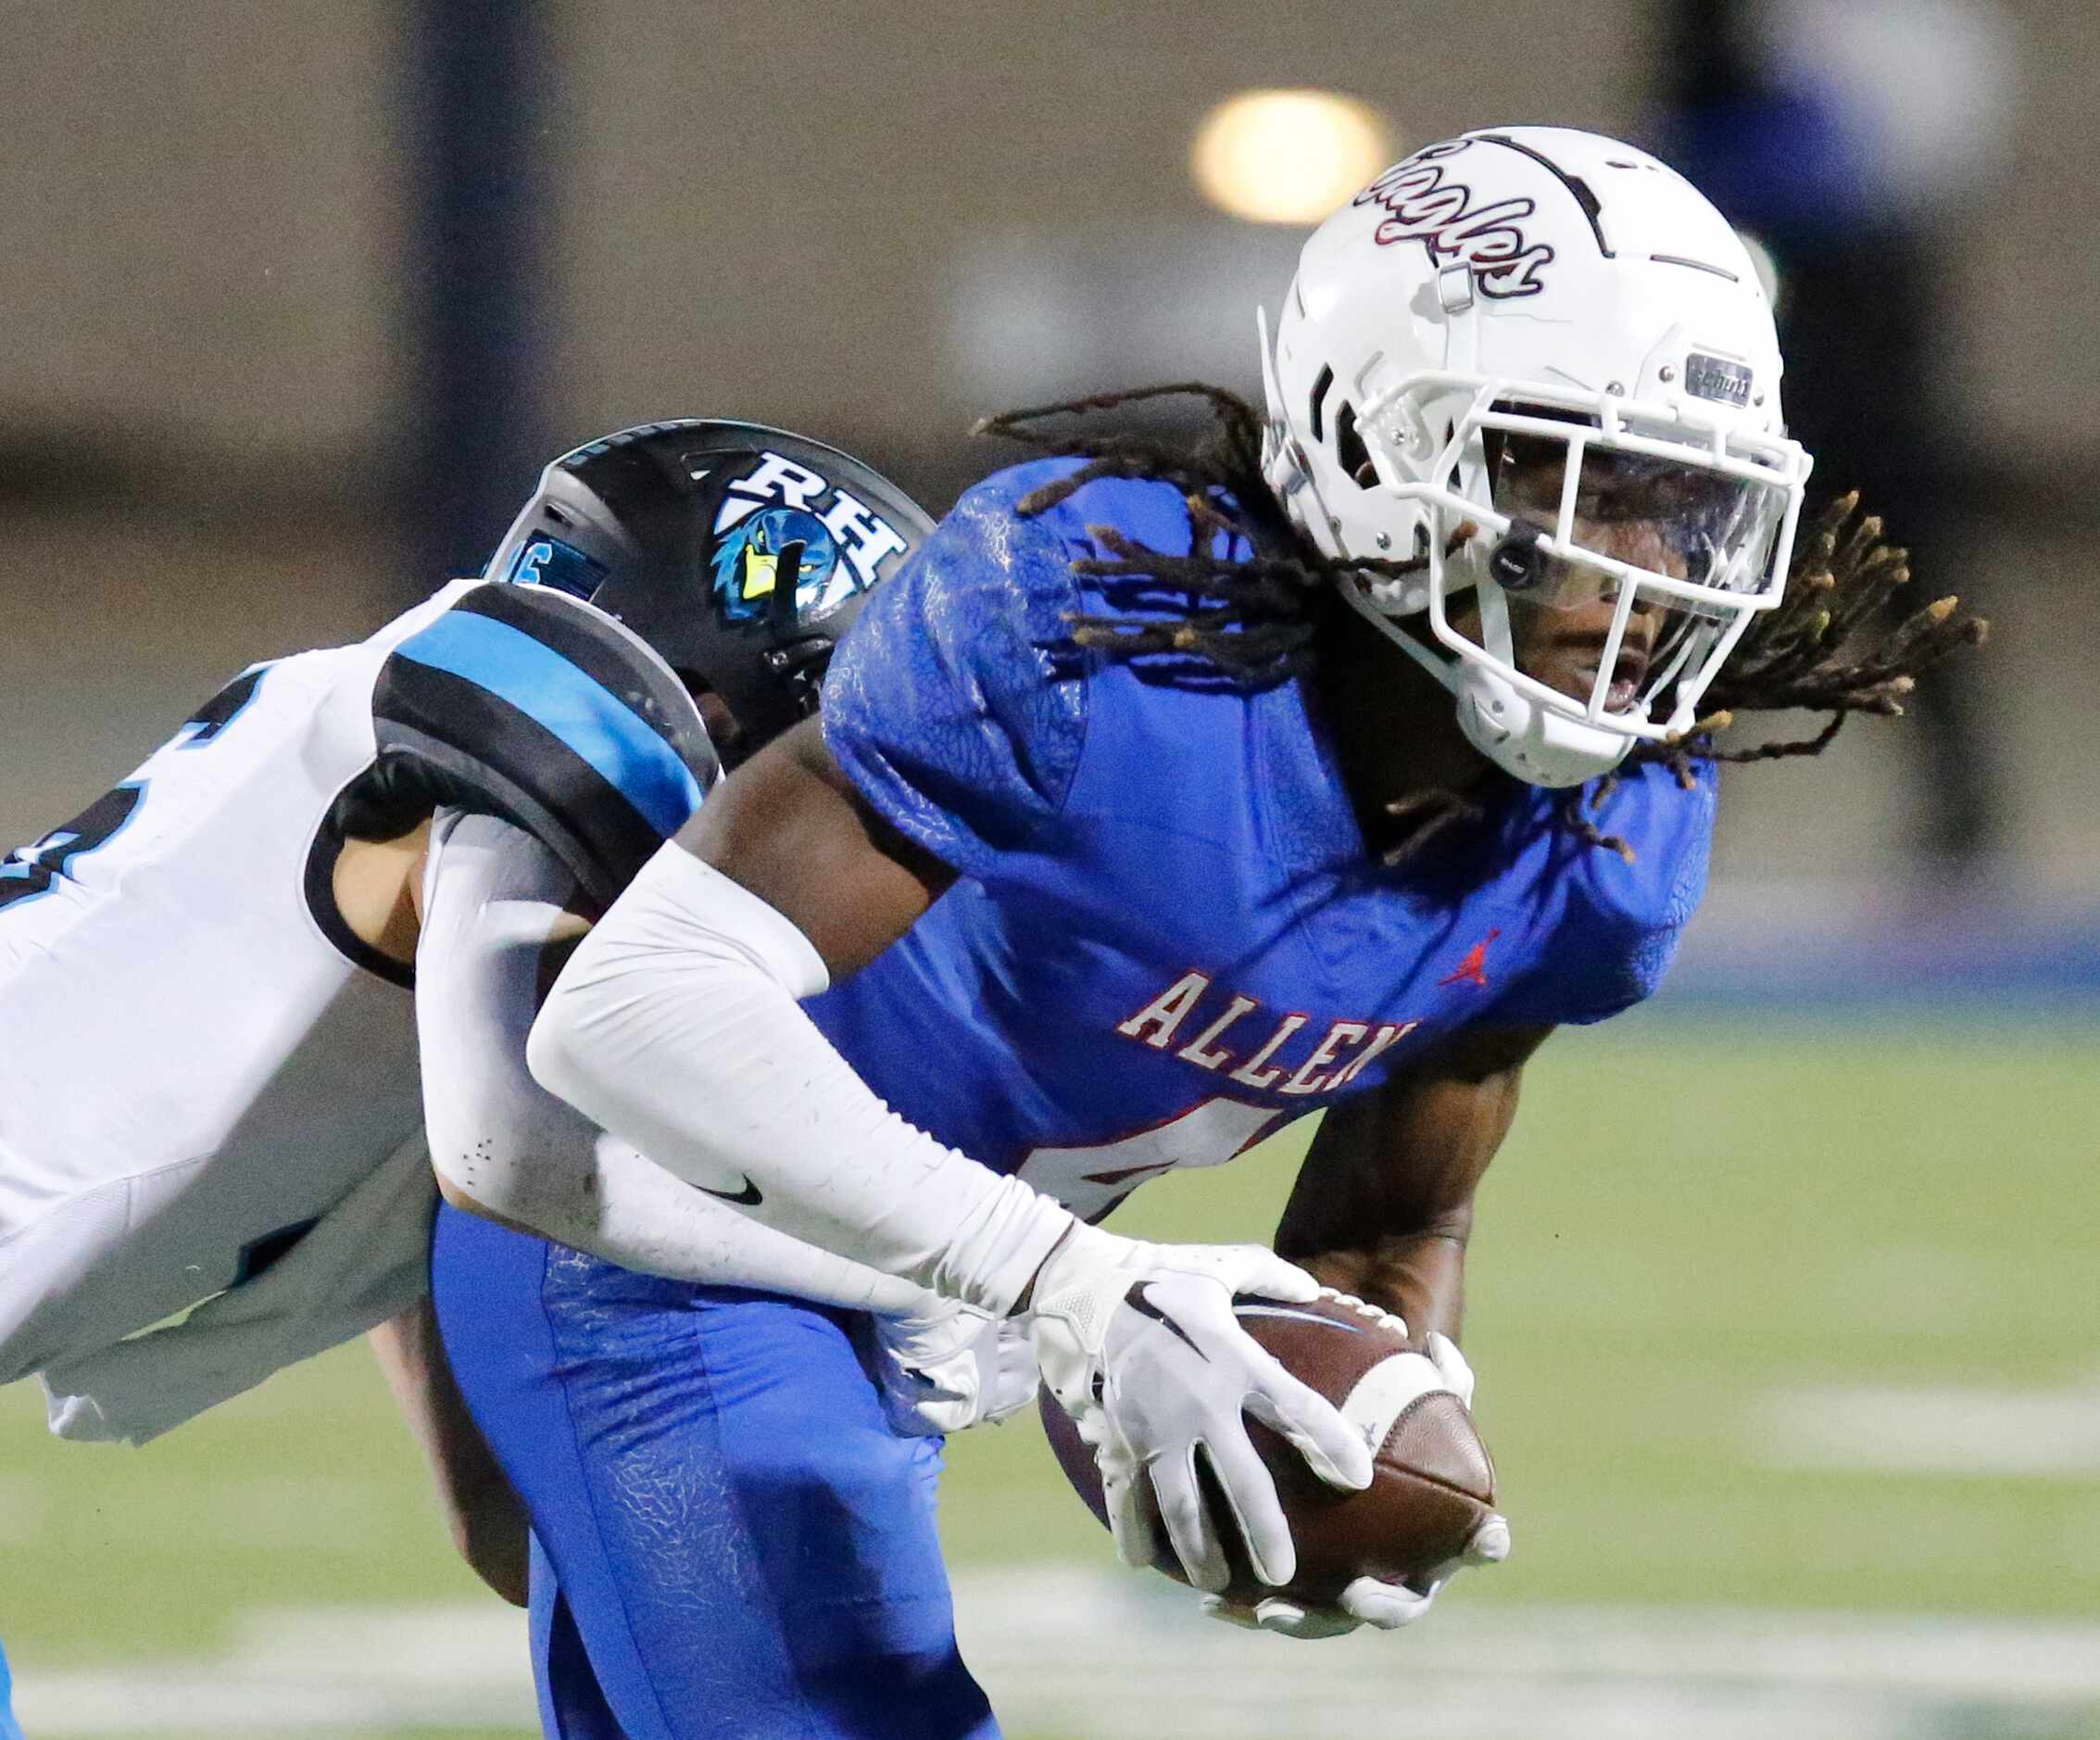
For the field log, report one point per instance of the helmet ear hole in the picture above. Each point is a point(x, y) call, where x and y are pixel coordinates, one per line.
point(732, 743)
point(1349, 449)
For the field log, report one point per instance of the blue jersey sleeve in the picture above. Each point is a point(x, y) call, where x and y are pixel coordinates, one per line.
point(522, 702)
point(1618, 926)
point(956, 703)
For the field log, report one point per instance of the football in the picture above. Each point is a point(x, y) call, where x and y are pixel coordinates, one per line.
point(1432, 1482)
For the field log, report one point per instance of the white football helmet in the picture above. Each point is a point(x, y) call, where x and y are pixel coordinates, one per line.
point(1539, 332)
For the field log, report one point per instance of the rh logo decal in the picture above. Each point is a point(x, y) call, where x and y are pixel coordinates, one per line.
point(855, 531)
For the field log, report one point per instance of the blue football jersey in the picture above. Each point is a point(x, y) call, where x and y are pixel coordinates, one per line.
point(1169, 937)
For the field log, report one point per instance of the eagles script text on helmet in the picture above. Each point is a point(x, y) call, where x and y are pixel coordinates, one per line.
point(1425, 205)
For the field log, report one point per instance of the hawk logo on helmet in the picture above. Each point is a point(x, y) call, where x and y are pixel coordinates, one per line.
point(748, 561)
point(1425, 205)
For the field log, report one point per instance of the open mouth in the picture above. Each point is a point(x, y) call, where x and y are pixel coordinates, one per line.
point(1630, 670)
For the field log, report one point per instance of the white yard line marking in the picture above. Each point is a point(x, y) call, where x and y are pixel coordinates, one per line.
point(1076, 1651)
point(307, 1671)
point(1994, 1433)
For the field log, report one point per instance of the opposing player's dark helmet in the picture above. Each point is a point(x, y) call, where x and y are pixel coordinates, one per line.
point(739, 553)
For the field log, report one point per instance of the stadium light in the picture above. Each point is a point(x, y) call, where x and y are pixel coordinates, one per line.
point(1288, 157)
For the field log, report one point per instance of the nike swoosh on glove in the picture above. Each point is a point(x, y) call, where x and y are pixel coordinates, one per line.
point(1139, 1344)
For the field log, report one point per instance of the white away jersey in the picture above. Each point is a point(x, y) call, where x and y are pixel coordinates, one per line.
point(199, 1059)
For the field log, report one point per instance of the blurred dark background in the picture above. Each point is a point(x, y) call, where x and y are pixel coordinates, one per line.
point(298, 297)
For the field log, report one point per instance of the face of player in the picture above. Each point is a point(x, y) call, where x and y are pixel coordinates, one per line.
point(1667, 518)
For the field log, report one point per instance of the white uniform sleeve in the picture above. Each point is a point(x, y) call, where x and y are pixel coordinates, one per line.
point(493, 900)
point(676, 1025)
point(367, 1258)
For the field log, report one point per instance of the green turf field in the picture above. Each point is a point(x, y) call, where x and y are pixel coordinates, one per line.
point(1727, 1288)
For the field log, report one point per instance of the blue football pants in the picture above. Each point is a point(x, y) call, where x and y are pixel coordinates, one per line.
point(8, 1729)
point(729, 1540)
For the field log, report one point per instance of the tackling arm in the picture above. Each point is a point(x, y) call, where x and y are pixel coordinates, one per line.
point(1383, 1205)
point(496, 927)
point(495, 909)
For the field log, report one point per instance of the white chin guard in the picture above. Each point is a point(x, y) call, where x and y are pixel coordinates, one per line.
point(1533, 743)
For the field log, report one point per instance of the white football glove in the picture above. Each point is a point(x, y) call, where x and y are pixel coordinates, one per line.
point(1384, 1606)
point(950, 1368)
point(1138, 1344)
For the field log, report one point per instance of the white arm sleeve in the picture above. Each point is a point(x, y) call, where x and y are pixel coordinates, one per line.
point(676, 1025)
point(493, 900)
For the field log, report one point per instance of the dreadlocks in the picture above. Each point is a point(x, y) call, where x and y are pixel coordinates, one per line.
point(1255, 620)
point(1267, 607)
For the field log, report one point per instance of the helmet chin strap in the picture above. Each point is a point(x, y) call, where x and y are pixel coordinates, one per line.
point(1534, 743)
point(1493, 606)
point(1526, 738)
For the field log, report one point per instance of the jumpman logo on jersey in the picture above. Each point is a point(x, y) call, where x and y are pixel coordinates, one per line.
point(1473, 970)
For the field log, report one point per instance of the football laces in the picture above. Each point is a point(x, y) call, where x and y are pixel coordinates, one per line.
point(1363, 1308)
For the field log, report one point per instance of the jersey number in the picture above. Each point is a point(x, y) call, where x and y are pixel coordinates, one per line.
point(1090, 1182)
point(30, 870)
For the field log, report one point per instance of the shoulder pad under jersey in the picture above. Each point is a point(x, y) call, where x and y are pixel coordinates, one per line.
point(954, 703)
point(525, 703)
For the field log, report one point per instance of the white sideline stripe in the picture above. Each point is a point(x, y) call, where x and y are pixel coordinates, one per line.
point(1070, 1650)
point(1994, 1433)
